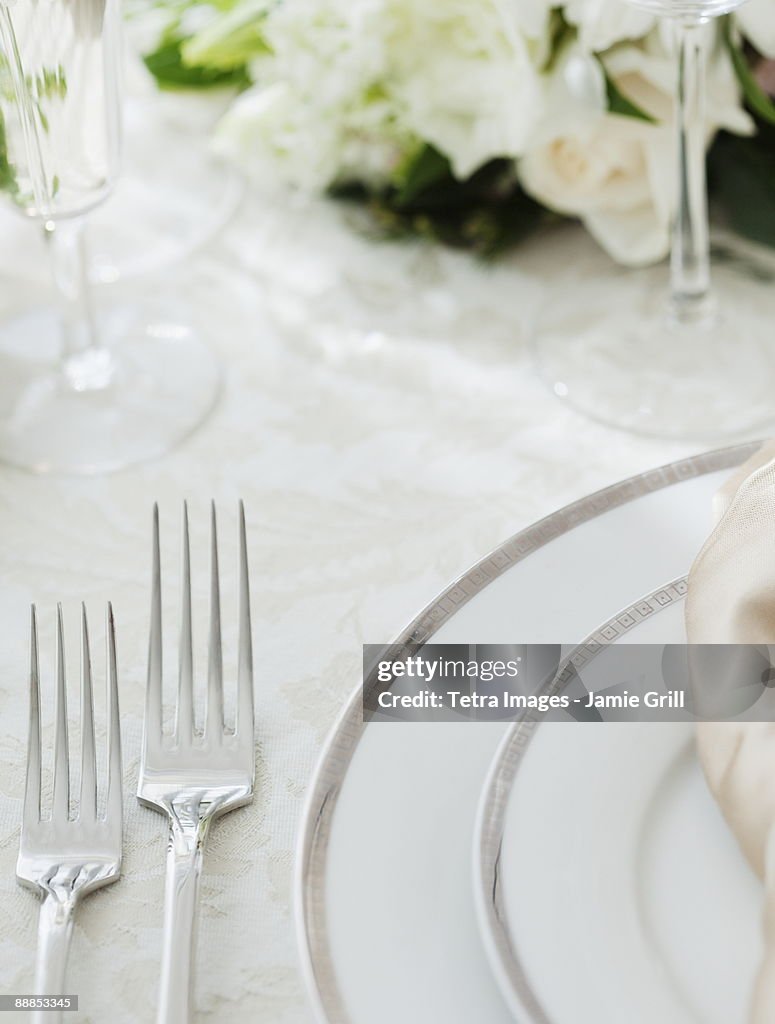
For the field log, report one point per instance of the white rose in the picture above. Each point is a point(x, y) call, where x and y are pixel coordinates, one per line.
point(601, 23)
point(616, 172)
point(757, 21)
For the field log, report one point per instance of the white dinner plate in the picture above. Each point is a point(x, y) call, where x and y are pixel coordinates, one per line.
point(385, 908)
point(607, 883)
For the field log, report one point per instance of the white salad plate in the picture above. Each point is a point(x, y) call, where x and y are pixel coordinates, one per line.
point(607, 883)
point(386, 914)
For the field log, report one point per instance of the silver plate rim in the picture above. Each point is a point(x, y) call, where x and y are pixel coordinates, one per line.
point(511, 976)
point(316, 962)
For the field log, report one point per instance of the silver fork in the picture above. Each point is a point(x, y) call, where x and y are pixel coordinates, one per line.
point(194, 776)
point(64, 858)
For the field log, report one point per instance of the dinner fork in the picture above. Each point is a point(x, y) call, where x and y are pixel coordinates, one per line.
point(61, 857)
point(194, 775)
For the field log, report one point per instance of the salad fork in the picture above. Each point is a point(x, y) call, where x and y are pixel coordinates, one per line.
point(194, 776)
point(66, 858)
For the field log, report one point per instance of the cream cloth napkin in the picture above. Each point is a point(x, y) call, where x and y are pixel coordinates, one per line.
point(731, 599)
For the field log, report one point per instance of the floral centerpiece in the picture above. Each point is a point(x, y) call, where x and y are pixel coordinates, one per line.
point(475, 120)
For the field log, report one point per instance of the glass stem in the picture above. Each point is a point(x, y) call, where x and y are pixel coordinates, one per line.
point(690, 297)
point(86, 364)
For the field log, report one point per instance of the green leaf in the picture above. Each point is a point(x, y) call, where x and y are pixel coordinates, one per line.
point(8, 181)
point(485, 214)
point(756, 98)
point(427, 167)
point(168, 67)
point(230, 41)
point(561, 33)
point(742, 178)
point(619, 104)
point(50, 83)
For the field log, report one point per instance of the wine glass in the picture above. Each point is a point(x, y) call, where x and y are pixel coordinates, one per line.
point(163, 210)
point(81, 391)
point(699, 363)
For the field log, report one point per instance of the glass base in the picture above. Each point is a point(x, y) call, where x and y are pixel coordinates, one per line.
point(611, 349)
point(173, 196)
point(151, 385)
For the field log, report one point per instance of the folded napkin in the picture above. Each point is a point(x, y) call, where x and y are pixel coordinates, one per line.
point(731, 599)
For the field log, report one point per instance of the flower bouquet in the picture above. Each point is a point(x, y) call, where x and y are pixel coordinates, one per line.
point(474, 121)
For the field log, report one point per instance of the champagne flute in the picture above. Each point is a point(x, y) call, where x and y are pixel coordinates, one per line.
point(81, 392)
point(701, 363)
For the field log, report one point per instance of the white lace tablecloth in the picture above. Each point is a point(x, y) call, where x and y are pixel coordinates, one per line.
point(381, 422)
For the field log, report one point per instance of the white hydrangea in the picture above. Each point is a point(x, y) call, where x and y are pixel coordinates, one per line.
point(532, 16)
point(352, 88)
point(316, 110)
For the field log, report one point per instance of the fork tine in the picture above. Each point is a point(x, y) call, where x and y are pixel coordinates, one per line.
point(32, 783)
point(113, 804)
point(245, 664)
point(184, 719)
point(61, 797)
point(152, 729)
point(214, 713)
point(88, 799)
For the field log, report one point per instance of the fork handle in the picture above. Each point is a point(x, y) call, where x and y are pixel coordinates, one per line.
point(184, 867)
point(55, 929)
